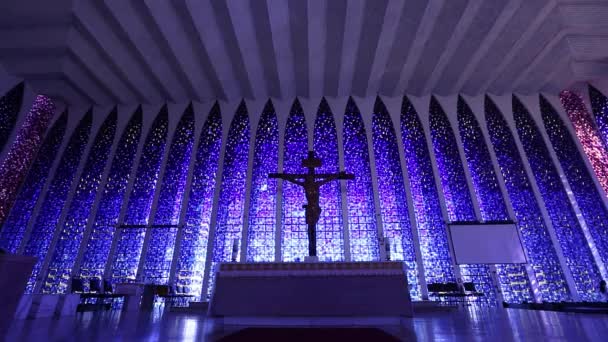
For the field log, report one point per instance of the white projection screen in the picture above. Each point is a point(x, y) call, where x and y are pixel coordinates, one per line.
point(487, 243)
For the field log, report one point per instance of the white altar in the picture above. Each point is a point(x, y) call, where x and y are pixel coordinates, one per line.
point(351, 291)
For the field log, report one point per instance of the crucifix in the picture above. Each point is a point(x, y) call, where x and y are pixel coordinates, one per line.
point(311, 182)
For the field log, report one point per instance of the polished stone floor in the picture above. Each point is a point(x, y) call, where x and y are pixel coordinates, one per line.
point(463, 325)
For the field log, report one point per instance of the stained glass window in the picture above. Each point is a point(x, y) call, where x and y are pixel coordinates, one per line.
point(10, 104)
point(229, 221)
point(193, 248)
point(456, 191)
point(131, 239)
point(330, 234)
point(534, 233)
point(16, 223)
point(44, 224)
point(73, 228)
point(159, 253)
point(599, 105)
point(262, 207)
point(97, 246)
point(392, 195)
point(434, 247)
point(569, 233)
point(587, 196)
point(587, 134)
point(360, 199)
point(294, 238)
point(513, 279)
point(23, 150)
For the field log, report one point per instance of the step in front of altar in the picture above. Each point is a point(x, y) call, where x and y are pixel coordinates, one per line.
point(316, 289)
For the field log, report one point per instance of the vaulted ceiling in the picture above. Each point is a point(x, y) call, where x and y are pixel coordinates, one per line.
point(152, 51)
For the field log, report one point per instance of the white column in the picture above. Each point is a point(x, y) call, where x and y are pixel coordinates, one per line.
point(176, 113)
point(394, 110)
point(283, 111)
point(148, 117)
point(95, 126)
point(121, 127)
point(537, 195)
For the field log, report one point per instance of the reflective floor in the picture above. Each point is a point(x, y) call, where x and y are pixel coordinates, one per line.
point(464, 325)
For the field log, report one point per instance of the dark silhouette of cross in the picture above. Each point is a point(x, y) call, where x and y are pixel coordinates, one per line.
point(311, 182)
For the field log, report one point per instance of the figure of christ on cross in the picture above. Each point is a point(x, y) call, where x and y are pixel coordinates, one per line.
point(311, 182)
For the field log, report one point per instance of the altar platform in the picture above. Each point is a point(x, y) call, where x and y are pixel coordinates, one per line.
point(311, 293)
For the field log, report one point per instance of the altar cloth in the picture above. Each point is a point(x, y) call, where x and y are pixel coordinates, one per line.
point(321, 289)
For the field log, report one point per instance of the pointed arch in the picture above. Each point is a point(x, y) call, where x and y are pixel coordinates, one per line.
point(232, 193)
point(72, 230)
point(587, 195)
point(599, 106)
point(540, 251)
point(231, 206)
point(14, 227)
point(360, 199)
point(330, 228)
point(10, 104)
point(459, 203)
point(513, 279)
point(159, 253)
point(130, 240)
point(433, 237)
point(193, 249)
point(392, 195)
point(590, 140)
point(23, 150)
point(99, 242)
point(294, 239)
point(567, 228)
point(262, 209)
point(44, 224)
point(451, 172)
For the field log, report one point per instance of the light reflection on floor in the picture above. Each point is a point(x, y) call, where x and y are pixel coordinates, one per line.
point(464, 325)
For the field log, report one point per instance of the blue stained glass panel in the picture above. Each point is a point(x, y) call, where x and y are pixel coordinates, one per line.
point(513, 279)
point(360, 199)
point(599, 105)
point(392, 195)
point(159, 253)
point(456, 191)
point(43, 229)
point(534, 233)
point(431, 228)
point(193, 248)
point(15, 225)
point(262, 208)
point(79, 210)
point(229, 221)
point(569, 233)
point(585, 192)
point(10, 104)
point(130, 240)
point(97, 247)
point(294, 238)
point(330, 234)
